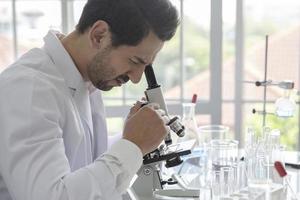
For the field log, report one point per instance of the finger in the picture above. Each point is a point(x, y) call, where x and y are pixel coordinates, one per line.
point(154, 106)
point(136, 106)
point(165, 119)
point(160, 112)
point(140, 103)
point(168, 129)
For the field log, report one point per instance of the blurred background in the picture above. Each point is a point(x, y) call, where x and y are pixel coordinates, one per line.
point(219, 45)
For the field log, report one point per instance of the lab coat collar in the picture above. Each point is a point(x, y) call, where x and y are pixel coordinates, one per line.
point(78, 87)
point(63, 61)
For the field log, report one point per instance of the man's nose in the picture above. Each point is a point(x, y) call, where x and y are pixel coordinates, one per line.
point(136, 74)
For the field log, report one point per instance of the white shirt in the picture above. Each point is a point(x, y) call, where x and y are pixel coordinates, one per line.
point(53, 132)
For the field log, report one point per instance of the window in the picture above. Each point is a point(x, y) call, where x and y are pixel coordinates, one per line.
point(6, 34)
point(218, 46)
point(262, 19)
point(34, 19)
point(23, 25)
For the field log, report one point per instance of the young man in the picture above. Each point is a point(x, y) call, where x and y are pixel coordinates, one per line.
point(53, 138)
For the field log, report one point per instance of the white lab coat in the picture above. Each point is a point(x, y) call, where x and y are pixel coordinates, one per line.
point(53, 132)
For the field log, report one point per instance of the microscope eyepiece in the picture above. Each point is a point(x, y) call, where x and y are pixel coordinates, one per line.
point(150, 77)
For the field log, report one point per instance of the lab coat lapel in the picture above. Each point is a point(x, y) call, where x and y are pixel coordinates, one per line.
point(82, 100)
point(85, 151)
point(99, 124)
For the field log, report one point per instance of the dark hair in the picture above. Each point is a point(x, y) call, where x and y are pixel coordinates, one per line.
point(131, 20)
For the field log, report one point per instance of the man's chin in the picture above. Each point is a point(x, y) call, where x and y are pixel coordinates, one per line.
point(106, 88)
point(103, 87)
point(106, 85)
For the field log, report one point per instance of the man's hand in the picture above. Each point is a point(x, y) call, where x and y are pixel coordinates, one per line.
point(136, 107)
point(145, 126)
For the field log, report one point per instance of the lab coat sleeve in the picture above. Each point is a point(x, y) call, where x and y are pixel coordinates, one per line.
point(113, 139)
point(32, 154)
point(110, 166)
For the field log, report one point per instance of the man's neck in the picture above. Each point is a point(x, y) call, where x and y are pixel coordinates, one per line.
point(77, 50)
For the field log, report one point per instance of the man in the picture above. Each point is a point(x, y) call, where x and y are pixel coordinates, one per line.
point(53, 138)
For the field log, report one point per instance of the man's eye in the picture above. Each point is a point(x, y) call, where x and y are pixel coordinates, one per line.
point(135, 62)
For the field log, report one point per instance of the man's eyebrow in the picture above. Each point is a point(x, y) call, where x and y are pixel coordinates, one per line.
point(140, 60)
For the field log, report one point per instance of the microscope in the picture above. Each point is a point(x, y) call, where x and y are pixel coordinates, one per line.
point(149, 183)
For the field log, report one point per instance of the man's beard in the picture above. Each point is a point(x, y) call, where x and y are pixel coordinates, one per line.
point(99, 71)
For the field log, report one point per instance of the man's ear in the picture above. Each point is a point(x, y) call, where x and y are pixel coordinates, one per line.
point(98, 34)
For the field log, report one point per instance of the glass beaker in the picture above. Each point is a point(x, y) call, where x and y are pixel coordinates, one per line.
point(224, 160)
point(207, 133)
point(224, 153)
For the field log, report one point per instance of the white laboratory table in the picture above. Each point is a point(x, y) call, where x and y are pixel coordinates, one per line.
point(293, 173)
